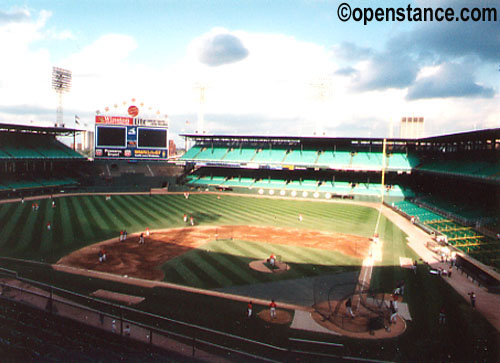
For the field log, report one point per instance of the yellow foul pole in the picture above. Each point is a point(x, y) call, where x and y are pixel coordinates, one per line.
point(382, 187)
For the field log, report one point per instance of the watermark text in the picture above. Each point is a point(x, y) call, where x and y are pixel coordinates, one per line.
point(414, 14)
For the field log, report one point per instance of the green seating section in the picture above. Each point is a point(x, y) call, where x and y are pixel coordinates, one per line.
point(240, 154)
point(469, 168)
point(301, 157)
point(192, 153)
point(269, 184)
point(212, 153)
point(4, 155)
point(463, 211)
point(400, 161)
point(335, 159)
point(53, 149)
point(367, 161)
point(295, 156)
point(36, 183)
point(239, 182)
point(306, 186)
point(483, 248)
point(421, 214)
point(33, 146)
point(336, 188)
point(18, 150)
point(270, 155)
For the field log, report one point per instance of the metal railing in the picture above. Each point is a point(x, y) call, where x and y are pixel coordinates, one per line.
point(184, 338)
point(113, 318)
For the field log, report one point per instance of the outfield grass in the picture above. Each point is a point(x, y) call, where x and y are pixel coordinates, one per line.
point(82, 220)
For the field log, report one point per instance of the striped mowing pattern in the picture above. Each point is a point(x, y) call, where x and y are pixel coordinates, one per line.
point(82, 220)
point(224, 263)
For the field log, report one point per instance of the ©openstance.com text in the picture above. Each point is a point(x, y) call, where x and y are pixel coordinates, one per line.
point(415, 14)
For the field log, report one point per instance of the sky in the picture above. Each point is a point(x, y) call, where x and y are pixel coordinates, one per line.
point(282, 67)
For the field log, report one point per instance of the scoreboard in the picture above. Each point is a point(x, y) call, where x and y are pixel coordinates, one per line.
point(118, 137)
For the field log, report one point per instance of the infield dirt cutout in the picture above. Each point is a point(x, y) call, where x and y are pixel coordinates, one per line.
point(144, 261)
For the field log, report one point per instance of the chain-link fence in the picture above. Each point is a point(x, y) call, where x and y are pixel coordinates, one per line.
point(342, 300)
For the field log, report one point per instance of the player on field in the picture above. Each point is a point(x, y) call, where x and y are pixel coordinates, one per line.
point(272, 260)
point(348, 308)
point(272, 309)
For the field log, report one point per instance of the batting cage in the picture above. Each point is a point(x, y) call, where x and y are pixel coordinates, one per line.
point(345, 302)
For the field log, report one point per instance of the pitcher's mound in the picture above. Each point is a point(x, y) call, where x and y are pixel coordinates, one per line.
point(263, 266)
point(282, 316)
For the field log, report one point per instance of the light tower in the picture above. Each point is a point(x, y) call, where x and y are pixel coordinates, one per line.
point(61, 83)
point(201, 88)
point(321, 90)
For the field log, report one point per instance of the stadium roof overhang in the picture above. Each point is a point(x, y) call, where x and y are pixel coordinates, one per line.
point(292, 139)
point(476, 135)
point(488, 136)
point(38, 129)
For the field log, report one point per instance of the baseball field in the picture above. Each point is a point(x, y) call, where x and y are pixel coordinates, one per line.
point(230, 233)
point(215, 259)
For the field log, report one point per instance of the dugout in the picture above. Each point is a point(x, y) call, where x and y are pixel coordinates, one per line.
point(473, 270)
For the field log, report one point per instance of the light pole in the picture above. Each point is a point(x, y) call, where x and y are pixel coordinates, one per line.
point(61, 83)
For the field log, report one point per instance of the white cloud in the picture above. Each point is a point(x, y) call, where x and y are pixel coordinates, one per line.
point(220, 47)
point(272, 86)
point(25, 71)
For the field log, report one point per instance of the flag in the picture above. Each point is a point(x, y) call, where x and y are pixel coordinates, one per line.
point(77, 120)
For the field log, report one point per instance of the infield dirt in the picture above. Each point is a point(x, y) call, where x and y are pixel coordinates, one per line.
point(144, 260)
